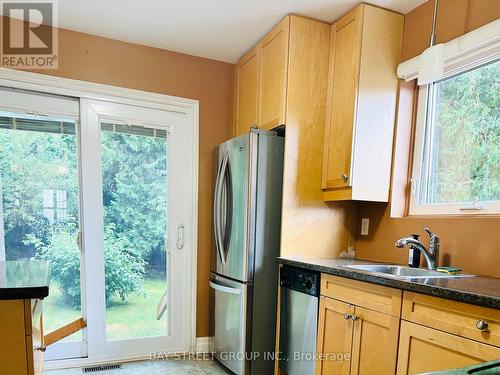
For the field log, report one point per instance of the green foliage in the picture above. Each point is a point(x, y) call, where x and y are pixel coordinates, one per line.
point(467, 132)
point(135, 190)
point(29, 163)
point(134, 196)
point(123, 270)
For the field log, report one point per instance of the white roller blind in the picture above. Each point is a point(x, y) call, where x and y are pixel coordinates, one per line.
point(469, 50)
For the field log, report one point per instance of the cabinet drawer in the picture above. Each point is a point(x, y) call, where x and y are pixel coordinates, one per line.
point(453, 317)
point(371, 296)
point(423, 349)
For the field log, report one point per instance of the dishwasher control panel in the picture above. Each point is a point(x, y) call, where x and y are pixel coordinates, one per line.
point(300, 280)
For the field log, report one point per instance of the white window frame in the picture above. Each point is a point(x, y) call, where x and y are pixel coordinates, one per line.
point(425, 114)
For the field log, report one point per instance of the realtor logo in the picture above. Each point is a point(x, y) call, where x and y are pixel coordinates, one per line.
point(29, 34)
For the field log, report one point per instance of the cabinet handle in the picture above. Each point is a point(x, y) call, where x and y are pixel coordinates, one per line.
point(347, 316)
point(344, 177)
point(354, 317)
point(42, 348)
point(481, 325)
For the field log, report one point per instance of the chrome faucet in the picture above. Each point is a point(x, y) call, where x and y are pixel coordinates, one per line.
point(433, 245)
point(431, 256)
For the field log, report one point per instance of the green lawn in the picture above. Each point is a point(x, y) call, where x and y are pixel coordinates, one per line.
point(134, 318)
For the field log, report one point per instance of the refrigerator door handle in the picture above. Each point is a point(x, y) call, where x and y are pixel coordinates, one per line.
point(224, 289)
point(217, 207)
point(227, 207)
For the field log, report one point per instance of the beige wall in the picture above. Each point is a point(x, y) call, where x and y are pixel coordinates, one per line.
point(95, 59)
point(469, 243)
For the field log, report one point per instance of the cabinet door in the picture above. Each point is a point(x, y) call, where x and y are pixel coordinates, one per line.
point(37, 336)
point(345, 52)
point(375, 342)
point(13, 355)
point(247, 91)
point(334, 336)
point(423, 349)
point(273, 75)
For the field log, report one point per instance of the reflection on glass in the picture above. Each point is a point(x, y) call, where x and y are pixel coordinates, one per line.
point(134, 170)
point(464, 139)
point(40, 204)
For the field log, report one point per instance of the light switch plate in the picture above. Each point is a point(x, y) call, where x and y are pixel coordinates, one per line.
point(365, 225)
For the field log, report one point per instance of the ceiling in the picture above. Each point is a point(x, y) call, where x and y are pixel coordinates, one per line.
point(216, 29)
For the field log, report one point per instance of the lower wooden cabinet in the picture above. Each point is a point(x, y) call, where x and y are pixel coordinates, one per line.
point(424, 349)
point(354, 339)
point(334, 336)
point(375, 342)
point(372, 329)
point(21, 328)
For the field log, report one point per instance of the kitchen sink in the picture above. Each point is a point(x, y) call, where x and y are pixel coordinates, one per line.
point(403, 272)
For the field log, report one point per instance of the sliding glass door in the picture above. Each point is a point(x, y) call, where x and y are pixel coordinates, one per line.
point(134, 173)
point(141, 177)
point(102, 191)
point(40, 201)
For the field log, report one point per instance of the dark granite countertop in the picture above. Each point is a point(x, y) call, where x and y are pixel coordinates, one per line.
point(24, 279)
point(477, 290)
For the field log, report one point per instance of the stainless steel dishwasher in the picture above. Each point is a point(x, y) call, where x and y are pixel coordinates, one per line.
point(298, 320)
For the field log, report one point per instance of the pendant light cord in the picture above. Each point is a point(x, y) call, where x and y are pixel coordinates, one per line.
point(434, 19)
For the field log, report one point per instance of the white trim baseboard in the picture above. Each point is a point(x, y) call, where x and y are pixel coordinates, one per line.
point(203, 345)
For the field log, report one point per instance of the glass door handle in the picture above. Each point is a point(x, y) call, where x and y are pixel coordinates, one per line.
point(180, 236)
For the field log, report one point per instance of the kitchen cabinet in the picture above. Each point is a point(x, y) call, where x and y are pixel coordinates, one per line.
point(261, 82)
point(424, 349)
point(247, 91)
point(365, 47)
point(358, 320)
point(383, 330)
point(22, 344)
point(334, 335)
point(263, 77)
point(273, 76)
point(474, 322)
point(291, 86)
point(448, 334)
point(375, 342)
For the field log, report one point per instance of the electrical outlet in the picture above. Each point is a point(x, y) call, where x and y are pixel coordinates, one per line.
point(365, 225)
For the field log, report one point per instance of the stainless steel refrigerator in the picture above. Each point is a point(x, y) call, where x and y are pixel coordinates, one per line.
point(247, 221)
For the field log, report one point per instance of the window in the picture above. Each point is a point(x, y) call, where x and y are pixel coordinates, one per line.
point(54, 205)
point(456, 166)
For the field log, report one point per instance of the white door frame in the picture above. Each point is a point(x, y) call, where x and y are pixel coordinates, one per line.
point(87, 90)
point(92, 113)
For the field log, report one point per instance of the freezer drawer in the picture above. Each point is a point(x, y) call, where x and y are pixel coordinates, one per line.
point(230, 311)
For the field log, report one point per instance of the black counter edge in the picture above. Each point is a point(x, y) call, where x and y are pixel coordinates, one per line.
point(24, 293)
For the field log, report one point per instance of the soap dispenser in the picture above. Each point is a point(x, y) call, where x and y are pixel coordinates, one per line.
point(414, 254)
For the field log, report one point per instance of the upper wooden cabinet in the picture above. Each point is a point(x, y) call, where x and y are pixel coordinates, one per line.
point(365, 48)
point(247, 91)
point(273, 76)
point(263, 73)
